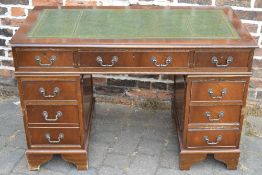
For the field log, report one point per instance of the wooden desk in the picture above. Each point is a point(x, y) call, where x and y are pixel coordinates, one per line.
point(207, 49)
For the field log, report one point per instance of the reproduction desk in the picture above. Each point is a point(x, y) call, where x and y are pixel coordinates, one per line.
point(207, 49)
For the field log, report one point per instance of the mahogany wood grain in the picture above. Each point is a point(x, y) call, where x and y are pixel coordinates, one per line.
point(80, 160)
point(180, 58)
point(203, 58)
point(67, 89)
point(194, 74)
point(27, 58)
point(193, 145)
point(73, 125)
point(230, 159)
point(231, 114)
point(134, 59)
point(38, 140)
point(179, 99)
point(88, 59)
point(234, 90)
point(195, 139)
point(88, 101)
point(69, 114)
point(35, 160)
point(186, 160)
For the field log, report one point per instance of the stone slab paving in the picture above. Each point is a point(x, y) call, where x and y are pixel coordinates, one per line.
point(124, 141)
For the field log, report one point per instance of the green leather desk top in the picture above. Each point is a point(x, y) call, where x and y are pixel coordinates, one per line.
point(133, 24)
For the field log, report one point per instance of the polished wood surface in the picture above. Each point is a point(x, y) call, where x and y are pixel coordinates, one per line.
point(35, 160)
point(229, 114)
point(179, 58)
point(204, 58)
point(56, 114)
point(186, 160)
point(230, 159)
point(211, 78)
point(80, 160)
point(196, 139)
point(201, 90)
point(183, 61)
point(199, 135)
point(27, 58)
point(66, 89)
point(38, 139)
point(56, 124)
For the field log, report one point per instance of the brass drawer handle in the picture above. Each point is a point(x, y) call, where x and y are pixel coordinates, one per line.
point(60, 137)
point(57, 116)
point(223, 93)
point(168, 61)
point(214, 60)
point(52, 60)
point(218, 139)
point(55, 92)
point(219, 116)
point(99, 60)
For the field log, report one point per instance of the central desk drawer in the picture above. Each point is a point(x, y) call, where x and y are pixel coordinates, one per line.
point(50, 88)
point(63, 114)
point(53, 137)
point(105, 59)
point(162, 59)
point(136, 59)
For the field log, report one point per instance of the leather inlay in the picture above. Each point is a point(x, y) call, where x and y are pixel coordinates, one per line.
point(135, 24)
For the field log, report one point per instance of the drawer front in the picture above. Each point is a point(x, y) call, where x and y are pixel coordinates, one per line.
point(44, 59)
point(105, 59)
point(52, 137)
point(134, 59)
point(218, 91)
point(215, 114)
point(213, 138)
point(52, 114)
point(162, 59)
point(50, 90)
point(222, 59)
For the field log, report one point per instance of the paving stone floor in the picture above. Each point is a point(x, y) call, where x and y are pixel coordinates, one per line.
point(124, 141)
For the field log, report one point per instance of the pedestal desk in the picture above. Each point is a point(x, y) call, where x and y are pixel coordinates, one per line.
point(207, 49)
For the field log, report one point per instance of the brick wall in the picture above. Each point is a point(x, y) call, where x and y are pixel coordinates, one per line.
point(126, 87)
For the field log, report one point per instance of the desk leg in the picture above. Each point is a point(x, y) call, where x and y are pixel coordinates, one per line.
point(35, 160)
point(187, 160)
point(80, 160)
point(230, 159)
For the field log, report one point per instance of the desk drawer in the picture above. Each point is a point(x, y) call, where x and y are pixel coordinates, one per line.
point(50, 88)
point(213, 138)
point(45, 114)
point(53, 137)
point(134, 59)
point(44, 58)
point(222, 59)
point(218, 91)
point(215, 114)
point(162, 59)
point(105, 59)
